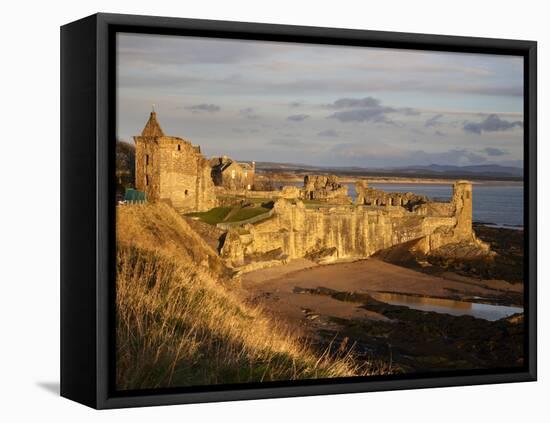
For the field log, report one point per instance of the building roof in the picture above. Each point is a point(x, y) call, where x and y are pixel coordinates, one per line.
point(152, 128)
point(222, 167)
point(221, 164)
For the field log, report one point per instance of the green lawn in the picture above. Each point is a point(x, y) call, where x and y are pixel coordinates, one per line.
point(259, 200)
point(255, 200)
point(247, 213)
point(212, 216)
point(228, 214)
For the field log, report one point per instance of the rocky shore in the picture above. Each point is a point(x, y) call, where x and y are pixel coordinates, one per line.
point(335, 306)
point(420, 341)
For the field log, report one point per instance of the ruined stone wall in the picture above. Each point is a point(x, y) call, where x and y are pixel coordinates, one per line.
point(249, 175)
point(288, 192)
point(351, 232)
point(354, 231)
point(325, 188)
point(172, 170)
point(462, 200)
point(376, 197)
point(436, 208)
point(147, 167)
point(185, 176)
point(460, 207)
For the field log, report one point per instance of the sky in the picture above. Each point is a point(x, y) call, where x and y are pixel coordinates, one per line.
point(323, 105)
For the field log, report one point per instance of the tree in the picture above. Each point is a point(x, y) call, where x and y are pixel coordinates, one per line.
point(125, 171)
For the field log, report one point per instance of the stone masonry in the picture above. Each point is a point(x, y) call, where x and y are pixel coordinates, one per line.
point(316, 221)
point(353, 232)
point(325, 189)
point(172, 170)
point(375, 197)
point(231, 174)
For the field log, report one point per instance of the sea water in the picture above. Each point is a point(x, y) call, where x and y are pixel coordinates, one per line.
point(500, 205)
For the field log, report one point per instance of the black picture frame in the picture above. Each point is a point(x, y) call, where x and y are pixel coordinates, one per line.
point(87, 207)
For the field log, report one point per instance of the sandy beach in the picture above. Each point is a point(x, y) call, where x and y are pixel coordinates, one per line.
point(423, 321)
point(277, 285)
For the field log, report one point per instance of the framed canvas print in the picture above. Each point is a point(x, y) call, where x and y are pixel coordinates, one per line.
point(256, 211)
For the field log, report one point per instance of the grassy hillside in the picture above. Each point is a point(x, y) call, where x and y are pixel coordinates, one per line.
point(179, 323)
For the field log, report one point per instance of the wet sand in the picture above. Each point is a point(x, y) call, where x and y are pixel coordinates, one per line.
point(333, 303)
point(371, 275)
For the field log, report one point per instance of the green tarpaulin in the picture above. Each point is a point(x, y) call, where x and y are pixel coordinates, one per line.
point(134, 196)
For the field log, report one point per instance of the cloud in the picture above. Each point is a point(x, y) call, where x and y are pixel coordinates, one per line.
point(190, 64)
point(328, 133)
point(499, 90)
point(380, 154)
point(367, 109)
point(139, 49)
point(494, 152)
point(245, 131)
point(383, 84)
point(408, 111)
point(455, 156)
point(433, 121)
point(372, 114)
point(269, 81)
point(286, 142)
point(292, 134)
point(249, 113)
point(210, 108)
point(491, 124)
point(289, 142)
point(298, 118)
point(344, 103)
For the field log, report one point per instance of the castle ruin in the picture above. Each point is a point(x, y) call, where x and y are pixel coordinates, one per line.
point(325, 188)
point(357, 231)
point(318, 220)
point(375, 197)
point(172, 170)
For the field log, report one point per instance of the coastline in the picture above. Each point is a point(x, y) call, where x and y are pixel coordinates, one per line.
point(427, 314)
point(396, 180)
point(361, 302)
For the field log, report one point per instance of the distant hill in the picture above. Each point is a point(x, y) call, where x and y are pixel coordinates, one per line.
point(481, 170)
point(488, 171)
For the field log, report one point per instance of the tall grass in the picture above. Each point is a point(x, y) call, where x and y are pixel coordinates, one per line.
point(179, 325)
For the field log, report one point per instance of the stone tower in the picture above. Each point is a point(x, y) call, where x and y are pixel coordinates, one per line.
point(462, 200)
point(172, 170)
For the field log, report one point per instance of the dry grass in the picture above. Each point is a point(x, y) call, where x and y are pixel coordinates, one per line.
point(179, 325)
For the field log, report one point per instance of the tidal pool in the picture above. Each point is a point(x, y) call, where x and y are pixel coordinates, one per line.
point(455, 308)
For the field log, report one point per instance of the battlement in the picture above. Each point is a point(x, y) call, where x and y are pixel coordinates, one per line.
point(376, 197)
